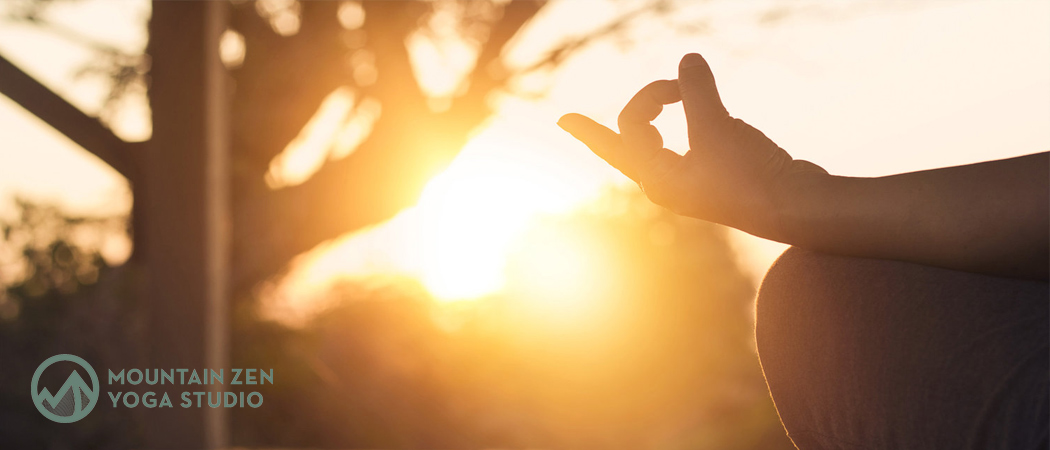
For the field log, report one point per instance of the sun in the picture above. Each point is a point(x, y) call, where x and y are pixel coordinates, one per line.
point(458, 238)
point(472, 214)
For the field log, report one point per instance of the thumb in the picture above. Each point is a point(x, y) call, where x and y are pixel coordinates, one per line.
point(704, 112)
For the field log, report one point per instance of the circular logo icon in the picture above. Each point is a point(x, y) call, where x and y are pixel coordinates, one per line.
point(74, 399)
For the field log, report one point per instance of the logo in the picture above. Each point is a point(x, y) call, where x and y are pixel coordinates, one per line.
point(74, 400)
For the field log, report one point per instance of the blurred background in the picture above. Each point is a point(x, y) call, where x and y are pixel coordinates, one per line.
point(373, 199)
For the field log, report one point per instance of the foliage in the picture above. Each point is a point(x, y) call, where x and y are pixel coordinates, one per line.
point(61, 296)
point(660, 356)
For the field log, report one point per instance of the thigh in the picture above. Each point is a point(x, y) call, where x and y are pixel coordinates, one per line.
point(863, 353)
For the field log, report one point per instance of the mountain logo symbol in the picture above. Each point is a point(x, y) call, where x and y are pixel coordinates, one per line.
point(74, 400)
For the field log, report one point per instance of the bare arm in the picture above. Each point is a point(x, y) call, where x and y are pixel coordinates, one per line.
point(991, 217)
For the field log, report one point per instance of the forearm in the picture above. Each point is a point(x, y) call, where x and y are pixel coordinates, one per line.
point(991, 217)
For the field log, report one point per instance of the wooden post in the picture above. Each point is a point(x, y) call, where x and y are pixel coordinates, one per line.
point(186, 218)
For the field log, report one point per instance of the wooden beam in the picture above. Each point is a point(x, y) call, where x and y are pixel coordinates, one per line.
point(84, 130)
point(186, 214)
point(218, 210)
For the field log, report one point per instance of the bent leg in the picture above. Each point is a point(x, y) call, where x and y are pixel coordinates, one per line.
point(872, 354)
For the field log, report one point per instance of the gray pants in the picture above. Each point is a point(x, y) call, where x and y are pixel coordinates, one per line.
point(872, 354)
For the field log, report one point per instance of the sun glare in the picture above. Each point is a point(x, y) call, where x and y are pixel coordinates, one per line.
point(472, 213)
point(458, 238)
point(560, 273)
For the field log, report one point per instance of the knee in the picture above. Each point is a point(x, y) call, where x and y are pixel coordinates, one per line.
point(801, 323)
point(780, 284)
point(787, 294)
point(853, 349)
point(806, 296)
point(784, 309)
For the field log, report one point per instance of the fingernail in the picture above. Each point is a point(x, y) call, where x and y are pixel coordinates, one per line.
point(691, 60)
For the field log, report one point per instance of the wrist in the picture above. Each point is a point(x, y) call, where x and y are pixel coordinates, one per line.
point(796, 198)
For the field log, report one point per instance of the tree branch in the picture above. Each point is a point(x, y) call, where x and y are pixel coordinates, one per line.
point(560, 53)
point(489, 73)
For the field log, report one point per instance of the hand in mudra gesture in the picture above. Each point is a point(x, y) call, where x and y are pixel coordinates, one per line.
point(732, 174)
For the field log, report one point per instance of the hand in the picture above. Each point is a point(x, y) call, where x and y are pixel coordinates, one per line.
point(732, 174)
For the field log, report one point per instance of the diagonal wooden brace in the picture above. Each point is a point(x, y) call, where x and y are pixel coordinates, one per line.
point(84, 130)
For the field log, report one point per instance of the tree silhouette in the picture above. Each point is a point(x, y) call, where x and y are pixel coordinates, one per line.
point(284, 79)
point(286, 73)
point(207, 225)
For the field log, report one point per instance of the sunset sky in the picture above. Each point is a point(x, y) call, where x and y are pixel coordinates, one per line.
point(861, 88)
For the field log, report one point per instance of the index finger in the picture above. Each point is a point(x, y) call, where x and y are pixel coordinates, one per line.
point(641, 139)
